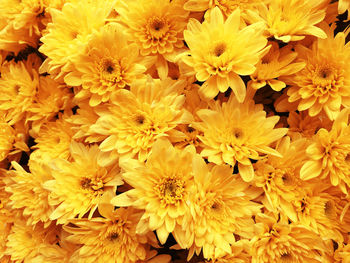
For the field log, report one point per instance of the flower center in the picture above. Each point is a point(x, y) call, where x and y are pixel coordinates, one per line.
point(114, 236)
point(93, 184)
point(329, 209)
point(286, 257)
point(171, 190)
point(157, 27)
point(110, 70)
point(326, 80)
point(219, 49)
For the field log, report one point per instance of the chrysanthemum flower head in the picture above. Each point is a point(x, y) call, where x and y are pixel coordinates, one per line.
point(221, 206)
point(278, 241)
point(18, 93)
point(279, 176)
point(108, 64)
point(287, 20)
point(323, 85)
point(24, 241)
point(113, 235)
point(278, 62)
point(66, 36)
point(79, 185)
point(137, 117)
point(54, 139)
point(329, 154)
point(237, 132)
point(161, 187)
point(220, 51)
point(27, 192)
point(226, 6)
point(157, 27)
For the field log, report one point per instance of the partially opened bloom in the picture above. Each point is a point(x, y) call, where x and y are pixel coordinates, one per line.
point(161, 187)
point(156, 27)
point(237, 132)
point(278, 241)
point(220, 51)
point(279, 176)
point(278, 62)
point(221, 206)
point(151, 109)
point(324, 83)
point(66, 36)
point(27, 192)
point(108, 64)
point(79, 185)
point(329, 154)
point(110, 238)
point(291, 20)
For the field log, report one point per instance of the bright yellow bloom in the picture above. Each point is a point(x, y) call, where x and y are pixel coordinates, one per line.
point(109, 63)
point(71, 28)
point(324, 84)
point(226, 6)
point(161, 187)
point(27, 192)
point(237, 132)
point(279, 176)
point(277, 241)
point(291, 20)
point(157, 28)
point(278, 62)
point(17, 93)
point(220, 51)
point(329, 154)
point(79, 185)
point(220, 206)
point(111, 238)
point(136, 118)
point(25, 243)
point(54, 140)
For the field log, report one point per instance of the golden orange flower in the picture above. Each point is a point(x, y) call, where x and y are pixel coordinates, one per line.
point(157, 28)
point(109, 63)
point(151, 109)
point(220, 51)
point(323, 85)
point(329, 154)
point(79, 185)
point(237, 132)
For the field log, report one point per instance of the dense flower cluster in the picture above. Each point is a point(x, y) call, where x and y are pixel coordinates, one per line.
point(157, 131)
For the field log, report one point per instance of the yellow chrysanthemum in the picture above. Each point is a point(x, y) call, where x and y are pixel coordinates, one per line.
point(161, 187)
point(111, 238)
point(279, 176)
point(278, 241)
point(108, 64)
point(317, 210)
point(18, 93)
point(226, 6)
point(71, 28)
point(51, 97)
point(324, 84)
point(54, 139)
point(136, 118)
point(220, 51)
point(27, 192)
point(237, 132)
point(78, 185)
point(221, 206)
point(302, 124)
point(278, 62)
point(291, 20)
point(12, 138)
point(329, 154)
point(24, 241)
point(156, 27)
